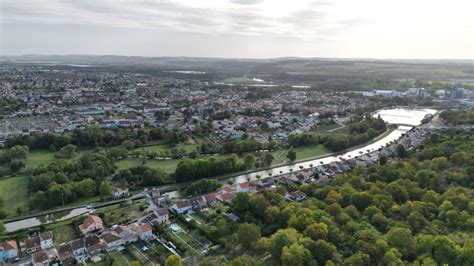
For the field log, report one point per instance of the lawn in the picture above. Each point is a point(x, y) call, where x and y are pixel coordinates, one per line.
point(301, 153)
point(324, 128)
point(37, 157)
point(118, 214)
point(121, 259)
point(187, 147)
point(14, 191)
point(169, 166)
point(63, 232)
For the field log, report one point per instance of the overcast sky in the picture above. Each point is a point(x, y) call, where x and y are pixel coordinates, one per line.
point(240, 28)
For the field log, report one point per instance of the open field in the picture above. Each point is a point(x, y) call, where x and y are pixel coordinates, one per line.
point(37, 157)
point(14, 191)
point(168, 166)
point(301, 153)
point(63, 232)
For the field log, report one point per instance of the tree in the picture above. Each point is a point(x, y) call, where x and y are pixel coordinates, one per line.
point(392, 257)
point(401, 239)
point(361, 200)
point(67, 152)
point(173, 260)
point(105, 189)
point(291, 155)
point(243, 260)
point(444, 250)
point(358, 258)
point(268, 159)
point(248, 234)
point(324, 251)
point(249, 161)
point(317, 231)
point(400, 151)
point(2, 228)
point(295, 254)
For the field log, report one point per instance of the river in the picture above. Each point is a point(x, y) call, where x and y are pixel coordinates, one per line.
point(408, 117)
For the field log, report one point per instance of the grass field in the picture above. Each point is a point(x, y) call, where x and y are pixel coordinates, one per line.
point(63, 232)
point(324, 128)
point(14, 191)
point(301, 153)
point(168, 166)
point(37, 157)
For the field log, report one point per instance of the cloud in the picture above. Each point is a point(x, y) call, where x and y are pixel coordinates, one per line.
point(302, 20)
point(247, 2)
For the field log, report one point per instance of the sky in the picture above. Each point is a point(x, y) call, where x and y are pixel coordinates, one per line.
point(423, 29)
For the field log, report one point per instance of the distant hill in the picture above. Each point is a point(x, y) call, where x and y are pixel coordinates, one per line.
point(290, 68)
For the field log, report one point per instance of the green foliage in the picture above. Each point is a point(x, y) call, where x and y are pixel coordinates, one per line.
point(417, 211)
point(193, 169)
point(359, 132)
point(173, 260)
point(458, 117)
point(291, 155)
point(202, 186)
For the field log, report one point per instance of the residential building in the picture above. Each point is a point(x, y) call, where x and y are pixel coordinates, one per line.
point(162, 215)
point(91, 224)
point(66, 254)
point(126, 234)
point(112, 240)
point(182, 206)
point(79, 249)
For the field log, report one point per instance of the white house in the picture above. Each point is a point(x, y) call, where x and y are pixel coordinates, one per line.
point(91, 224)
point(182, 206)
point(46, 239)
point(162, 215)
point(145, 231)
point(112, 240)
point(79, 249)
point(118, 192)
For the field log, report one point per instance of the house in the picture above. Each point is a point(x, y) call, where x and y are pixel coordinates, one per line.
point(46, 240)
point(12, 248)
point(8, 250)
point(182, 206)
point(162, 215)
point(93, 244)
point(32, 245)
point(210, 199)
point(127, 235)
point(40, 258)
point(265, 183)
point(79, 249)
point(228, 189)
point(225, 197)
point(144, 231)
point(3, 253)
point(91, 224)
point(243, 187)
point(198, 203)
point(118, 192)
point(112, 240)
point(296, 196)
point(66, 254)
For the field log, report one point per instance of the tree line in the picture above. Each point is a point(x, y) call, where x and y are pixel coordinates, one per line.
point(95, 136)
point(358, 133)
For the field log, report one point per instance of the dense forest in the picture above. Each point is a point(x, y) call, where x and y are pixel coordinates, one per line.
point(458, 117)
point(419, 210)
